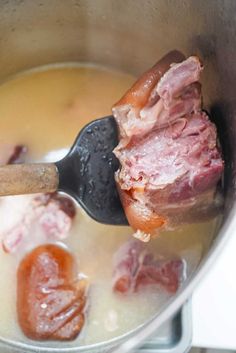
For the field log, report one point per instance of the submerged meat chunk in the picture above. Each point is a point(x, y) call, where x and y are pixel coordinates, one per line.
point(53, 213)
point(134, 267)
point(10, 154)
point(57, 214)
point(64, 203)
point(50, 299)
point(170, 163)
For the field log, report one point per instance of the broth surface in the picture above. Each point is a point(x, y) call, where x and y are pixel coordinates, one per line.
point(45, 109)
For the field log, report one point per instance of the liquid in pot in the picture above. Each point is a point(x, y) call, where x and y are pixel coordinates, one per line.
point(44, 109)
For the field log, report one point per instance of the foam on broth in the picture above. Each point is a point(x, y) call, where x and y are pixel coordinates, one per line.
point(45, 110)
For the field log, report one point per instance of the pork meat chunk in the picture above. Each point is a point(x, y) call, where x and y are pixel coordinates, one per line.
point(134, 267)
point(50, 298)
point(170, 160)
point(11, 154)
point(52, 213)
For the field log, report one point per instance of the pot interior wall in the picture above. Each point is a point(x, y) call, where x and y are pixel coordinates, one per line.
point(130, 35)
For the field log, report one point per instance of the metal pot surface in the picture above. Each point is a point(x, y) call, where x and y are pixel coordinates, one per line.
point(129, 35)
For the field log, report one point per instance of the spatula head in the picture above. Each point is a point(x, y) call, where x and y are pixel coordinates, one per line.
point(87, 172)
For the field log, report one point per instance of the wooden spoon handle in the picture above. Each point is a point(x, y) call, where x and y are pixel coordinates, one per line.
point(28, 179)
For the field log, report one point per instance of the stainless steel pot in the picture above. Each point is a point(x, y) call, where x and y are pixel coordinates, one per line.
point(130, 35)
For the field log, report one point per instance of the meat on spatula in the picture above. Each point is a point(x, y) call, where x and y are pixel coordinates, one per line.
point(170, 161)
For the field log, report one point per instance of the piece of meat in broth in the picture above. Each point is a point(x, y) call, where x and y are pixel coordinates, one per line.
point(135, 267)
point(50, 298)
point(54, 213)
point(170, 163)
point(11, 154)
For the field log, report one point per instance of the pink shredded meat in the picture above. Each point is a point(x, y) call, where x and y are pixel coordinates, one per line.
point(170, 161)
point(134, 267)
point(52, 212)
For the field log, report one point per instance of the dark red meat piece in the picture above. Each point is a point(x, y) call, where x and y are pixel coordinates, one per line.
point(10, 154)
point(18, 154)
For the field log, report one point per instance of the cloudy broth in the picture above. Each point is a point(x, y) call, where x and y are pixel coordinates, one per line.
point(45, 109)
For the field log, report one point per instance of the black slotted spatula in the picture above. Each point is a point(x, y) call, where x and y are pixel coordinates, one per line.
point(86, 173)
